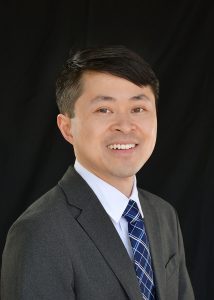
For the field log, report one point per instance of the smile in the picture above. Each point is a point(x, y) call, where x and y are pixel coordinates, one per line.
point(121, 146)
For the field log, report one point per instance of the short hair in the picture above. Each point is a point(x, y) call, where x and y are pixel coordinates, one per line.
point(115, 60)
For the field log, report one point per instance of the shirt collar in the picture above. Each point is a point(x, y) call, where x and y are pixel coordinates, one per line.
point(113, 201)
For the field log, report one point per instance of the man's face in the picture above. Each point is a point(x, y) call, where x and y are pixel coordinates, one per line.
point(114, 128)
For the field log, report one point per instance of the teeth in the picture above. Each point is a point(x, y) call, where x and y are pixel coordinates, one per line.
point(121, 146)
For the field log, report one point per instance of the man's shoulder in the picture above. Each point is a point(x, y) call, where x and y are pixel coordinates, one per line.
point(54, 208)
point(53, 202)
point(43, 212)
point(46, 202)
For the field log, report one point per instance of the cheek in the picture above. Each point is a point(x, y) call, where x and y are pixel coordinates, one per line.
point(86, 132)
point(149, 127)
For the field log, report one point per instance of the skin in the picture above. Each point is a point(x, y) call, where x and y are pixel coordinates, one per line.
point(112, 110)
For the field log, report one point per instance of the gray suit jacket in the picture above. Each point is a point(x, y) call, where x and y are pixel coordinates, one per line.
point(64, 246)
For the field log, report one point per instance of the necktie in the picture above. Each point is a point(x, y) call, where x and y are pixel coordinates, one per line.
point(140, 248)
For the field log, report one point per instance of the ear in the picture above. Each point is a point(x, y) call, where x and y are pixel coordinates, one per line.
point(64, 124)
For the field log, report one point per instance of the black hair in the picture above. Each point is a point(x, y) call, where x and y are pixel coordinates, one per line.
point(115, 60)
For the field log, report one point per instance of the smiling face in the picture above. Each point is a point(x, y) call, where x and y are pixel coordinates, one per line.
point(113, 131)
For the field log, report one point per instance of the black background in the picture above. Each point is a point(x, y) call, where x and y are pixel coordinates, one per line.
point(176, 38)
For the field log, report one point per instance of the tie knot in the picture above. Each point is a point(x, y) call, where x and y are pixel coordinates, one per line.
point(131, 213)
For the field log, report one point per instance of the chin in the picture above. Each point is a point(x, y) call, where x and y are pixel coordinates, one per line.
point(125, 172)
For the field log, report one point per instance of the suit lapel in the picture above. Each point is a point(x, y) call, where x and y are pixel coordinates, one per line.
point(153, 229)
point(101, 231)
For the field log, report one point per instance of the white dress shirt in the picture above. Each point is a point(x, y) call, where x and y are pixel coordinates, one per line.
point(113, 201)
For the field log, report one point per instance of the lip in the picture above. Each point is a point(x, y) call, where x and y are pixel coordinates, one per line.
point(122, 142)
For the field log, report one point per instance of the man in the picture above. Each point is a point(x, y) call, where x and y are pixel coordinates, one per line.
point(95, 235)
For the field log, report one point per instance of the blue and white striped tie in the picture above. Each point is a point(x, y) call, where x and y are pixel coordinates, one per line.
point(140, 248)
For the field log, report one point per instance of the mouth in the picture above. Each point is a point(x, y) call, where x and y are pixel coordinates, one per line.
point(121, 146)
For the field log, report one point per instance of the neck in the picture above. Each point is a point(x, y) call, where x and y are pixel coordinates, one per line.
point(124, 185)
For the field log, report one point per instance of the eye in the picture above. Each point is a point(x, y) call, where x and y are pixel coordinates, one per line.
point(138, 110)
point(104, 110)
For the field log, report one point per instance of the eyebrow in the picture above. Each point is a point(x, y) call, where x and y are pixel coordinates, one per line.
point(100, 98)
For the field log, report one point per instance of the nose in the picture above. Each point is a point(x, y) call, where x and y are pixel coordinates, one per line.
point(123, 123)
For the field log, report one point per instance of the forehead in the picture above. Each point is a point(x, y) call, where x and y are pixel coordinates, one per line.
point(104, 78)
point(110, 85)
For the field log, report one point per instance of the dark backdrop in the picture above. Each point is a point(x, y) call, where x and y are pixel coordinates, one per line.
point(176, 38)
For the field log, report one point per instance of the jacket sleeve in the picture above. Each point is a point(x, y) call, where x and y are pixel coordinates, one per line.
point(35, 265)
